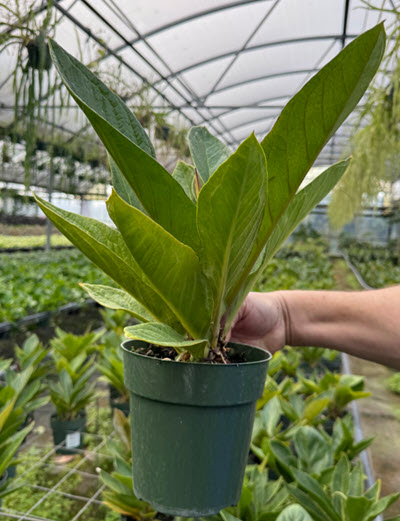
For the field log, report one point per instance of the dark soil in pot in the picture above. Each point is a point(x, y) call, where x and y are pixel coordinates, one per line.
point(68, 432)
point(191, 428)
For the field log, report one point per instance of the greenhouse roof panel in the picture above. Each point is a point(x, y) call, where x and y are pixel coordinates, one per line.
point(231, 65)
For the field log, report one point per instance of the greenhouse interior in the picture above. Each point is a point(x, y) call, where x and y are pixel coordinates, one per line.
point(161, 358)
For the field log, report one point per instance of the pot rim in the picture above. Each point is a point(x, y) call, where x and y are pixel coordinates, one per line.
point(268, 356)
point(79, 416)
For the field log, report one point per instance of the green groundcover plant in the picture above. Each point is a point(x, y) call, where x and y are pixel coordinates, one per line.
point(189, 246)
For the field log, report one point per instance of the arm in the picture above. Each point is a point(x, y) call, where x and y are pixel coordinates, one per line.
point(364, 324)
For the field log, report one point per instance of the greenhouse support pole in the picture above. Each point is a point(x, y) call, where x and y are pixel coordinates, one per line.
point(50, 196)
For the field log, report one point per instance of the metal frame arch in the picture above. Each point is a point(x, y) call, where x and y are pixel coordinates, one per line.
point(189, 18)
point(263, 78)
point(211, 59)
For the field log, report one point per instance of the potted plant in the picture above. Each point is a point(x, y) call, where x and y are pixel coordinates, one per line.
point(12, 416)
point(184, 264)
point(31, 395)
point(110, 365)
point(69, 346)
point(118, 494)
point(70, 395)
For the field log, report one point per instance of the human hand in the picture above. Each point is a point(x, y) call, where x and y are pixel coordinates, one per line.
point(261, 322)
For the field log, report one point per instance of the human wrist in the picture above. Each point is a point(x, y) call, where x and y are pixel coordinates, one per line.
point(299, 316)
point(285, 316)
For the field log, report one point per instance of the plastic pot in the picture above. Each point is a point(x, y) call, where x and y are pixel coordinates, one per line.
point(69, 432)
point(38, 55)
point(122, 406)
point(191, 428)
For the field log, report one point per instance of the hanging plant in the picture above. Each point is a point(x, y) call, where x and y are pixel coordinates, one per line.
point(39, 53)
point(31, 80)
point(375, 143)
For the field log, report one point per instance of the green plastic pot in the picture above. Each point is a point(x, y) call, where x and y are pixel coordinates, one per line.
point(191, 428)
point(68, 432)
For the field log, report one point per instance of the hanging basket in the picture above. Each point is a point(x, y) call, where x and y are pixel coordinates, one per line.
point(38, 55)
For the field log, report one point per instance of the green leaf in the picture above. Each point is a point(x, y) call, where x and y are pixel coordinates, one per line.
point(226, 516)
point(184, 174)
point(314, 408)
point(162, 335)
point(301, 205)
point(172, 268)
point(308, 121)
point(90, 92)
point(10, 447)
point(374, 491)
point(106, 248)
point(229, 213)
point(128, 144)
point(283, 455)
point(381, 505)
point(122, 187)
point(313, 450)
point(208, 152)
point(356, 508)
point(313, 115)
point(115, 484)
point(311, 486)
point(122, 428)
point(294, 513)
point(271, 414)
point(357, 480)
point(341, 476)
point(115, 298)
point(304, 499)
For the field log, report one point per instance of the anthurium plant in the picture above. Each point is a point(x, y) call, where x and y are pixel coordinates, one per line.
point(188, 247)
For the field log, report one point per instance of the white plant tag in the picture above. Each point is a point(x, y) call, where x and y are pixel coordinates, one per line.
point(73, 440)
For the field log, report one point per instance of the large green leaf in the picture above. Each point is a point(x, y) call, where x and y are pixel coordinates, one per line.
point(316, 112)
point(208, 152)
point(162, 335)
point(85, 86)
point(106, 248)
point(299, 207)
point(185, 175)
point(122, 187)
point(115, 298)
point(294, 513)
point(229, 212)
point(172, 267)
point(308, 121)
point(162, 197)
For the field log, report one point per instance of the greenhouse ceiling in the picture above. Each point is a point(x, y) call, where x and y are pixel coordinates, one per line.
point(229, 65)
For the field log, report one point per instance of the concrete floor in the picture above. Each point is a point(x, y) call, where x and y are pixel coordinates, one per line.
point(378, 417)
